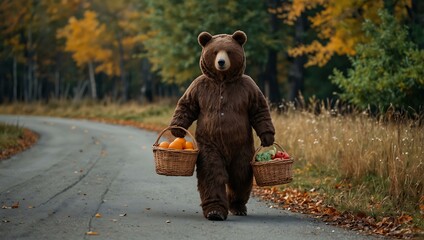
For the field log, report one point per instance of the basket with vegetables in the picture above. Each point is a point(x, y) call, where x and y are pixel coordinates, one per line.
point(272, 167)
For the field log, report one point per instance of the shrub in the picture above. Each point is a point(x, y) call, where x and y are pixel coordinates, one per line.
point(386, 71)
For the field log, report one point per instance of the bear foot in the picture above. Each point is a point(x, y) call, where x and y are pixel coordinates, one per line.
point(238, 210)
point(216, 215)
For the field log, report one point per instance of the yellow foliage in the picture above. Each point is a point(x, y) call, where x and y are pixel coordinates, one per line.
point(61, 9)
point(85, 38)
point(338, 24)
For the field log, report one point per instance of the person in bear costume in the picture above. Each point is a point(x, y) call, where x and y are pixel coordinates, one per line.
point(226, 104)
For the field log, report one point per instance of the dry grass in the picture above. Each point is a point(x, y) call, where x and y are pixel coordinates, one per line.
point(157, 113)
point(9, 135)
point(362, 164)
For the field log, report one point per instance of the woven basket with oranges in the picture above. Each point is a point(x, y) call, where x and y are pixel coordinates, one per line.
point(175, 158)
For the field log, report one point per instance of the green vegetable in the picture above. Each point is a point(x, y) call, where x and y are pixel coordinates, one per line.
point(264, 156)
point(273, 151)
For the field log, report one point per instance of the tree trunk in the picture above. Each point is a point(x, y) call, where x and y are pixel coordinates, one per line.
point(92, 80)
point(147, 81)
point(416, 22)
point(35, 94)
point(57, 84)
point(15, 79)
point(29, 65)
point(65, 94)
point(122, 69)
point(25, 86)
point(271, 87)
point(271, 77)
point(296, 71)
point(79, 90)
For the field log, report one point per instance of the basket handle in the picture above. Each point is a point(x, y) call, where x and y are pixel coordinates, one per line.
point(260, 148)
point(171, 127)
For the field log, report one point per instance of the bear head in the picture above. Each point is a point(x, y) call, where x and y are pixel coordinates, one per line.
point(222, 55)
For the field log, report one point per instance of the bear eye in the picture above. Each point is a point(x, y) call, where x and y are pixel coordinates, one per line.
point(229, 52)
point(215, 52)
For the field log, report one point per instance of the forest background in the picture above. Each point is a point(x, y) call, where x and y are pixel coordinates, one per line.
point(147, 50)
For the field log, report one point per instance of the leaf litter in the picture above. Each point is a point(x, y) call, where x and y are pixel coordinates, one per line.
point(311, 202)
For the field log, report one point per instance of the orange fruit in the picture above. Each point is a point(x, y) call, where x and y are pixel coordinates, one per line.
point(164, 144)
point(176, 145)
point(188, 145)
point(181, 140)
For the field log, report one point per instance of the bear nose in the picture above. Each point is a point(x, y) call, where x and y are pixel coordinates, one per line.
point(221, 62)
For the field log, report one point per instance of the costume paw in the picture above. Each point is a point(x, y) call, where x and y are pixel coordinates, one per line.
point(216, 215)
point(177, 132)
point(267, 139)
point(239, 211)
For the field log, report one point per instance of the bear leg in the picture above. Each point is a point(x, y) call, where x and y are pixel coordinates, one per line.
point(240, 187)
point(211, 180)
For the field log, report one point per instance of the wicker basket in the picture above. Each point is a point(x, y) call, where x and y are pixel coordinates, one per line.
point(274, 172)
point(173, 162)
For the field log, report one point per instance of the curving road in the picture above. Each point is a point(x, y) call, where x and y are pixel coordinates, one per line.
point(81, 168)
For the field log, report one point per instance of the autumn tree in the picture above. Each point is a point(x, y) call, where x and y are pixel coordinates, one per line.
point(338, 24)
point(19, 23)
point(84, 38)
point(26, 27)
point(128, 31)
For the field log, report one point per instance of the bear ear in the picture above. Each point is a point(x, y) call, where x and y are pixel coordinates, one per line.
point(240, 37)
point(204, 38)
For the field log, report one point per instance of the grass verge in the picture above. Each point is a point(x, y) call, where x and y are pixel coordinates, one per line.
point(14, 139)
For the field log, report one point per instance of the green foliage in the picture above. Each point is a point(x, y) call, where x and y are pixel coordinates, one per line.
point(174, 51)
point(387, 71)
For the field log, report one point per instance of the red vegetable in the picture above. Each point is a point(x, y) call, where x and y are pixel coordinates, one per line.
point(282, 155)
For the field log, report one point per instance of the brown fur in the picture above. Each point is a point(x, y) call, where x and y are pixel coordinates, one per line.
point(225, 141)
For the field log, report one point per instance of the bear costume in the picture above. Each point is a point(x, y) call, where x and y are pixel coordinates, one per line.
point(226, 104)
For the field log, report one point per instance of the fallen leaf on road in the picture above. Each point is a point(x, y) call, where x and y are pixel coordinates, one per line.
point(98, 215)
point(92, 233)
point(15, 205)
point(103, 153)
point(122, 214)
point(168, 221)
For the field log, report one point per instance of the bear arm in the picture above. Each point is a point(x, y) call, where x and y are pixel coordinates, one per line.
point(260, 117)
point(187, 110)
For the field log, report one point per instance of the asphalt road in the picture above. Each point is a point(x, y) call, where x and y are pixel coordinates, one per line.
point(81, 168)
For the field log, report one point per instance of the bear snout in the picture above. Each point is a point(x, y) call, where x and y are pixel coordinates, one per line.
point(222, 61)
